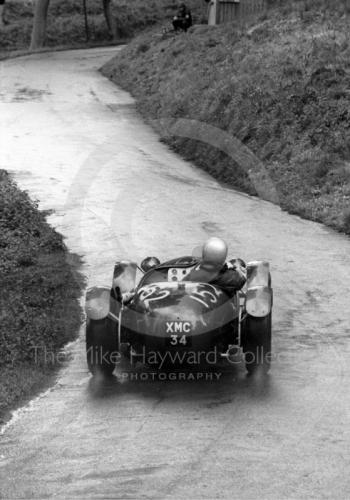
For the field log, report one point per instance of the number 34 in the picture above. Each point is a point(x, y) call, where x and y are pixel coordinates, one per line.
point(176, 339)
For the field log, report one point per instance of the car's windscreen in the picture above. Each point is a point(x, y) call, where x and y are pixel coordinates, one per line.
point(154, 276)
point(186, 261)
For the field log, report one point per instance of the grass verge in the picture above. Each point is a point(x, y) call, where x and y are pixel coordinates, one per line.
point(39, 297)
point(281, 88)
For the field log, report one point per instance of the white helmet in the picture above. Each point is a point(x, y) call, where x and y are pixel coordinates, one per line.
point(214, 251)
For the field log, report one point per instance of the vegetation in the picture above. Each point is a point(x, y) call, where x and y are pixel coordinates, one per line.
point(65, 25)
point(282, 88)
point(39, 296)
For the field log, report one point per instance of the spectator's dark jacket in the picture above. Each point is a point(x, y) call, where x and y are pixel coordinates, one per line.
point(184, 14)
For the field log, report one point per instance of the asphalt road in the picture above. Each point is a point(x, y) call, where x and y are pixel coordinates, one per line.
point(75, 142)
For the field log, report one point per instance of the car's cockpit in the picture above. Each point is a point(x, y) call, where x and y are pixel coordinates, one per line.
point(170, 271)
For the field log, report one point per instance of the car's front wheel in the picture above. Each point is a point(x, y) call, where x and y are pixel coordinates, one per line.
point(101, 346)
point(257, 343)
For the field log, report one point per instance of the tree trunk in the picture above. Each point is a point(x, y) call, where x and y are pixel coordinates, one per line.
point(111, 24)
point(2, 21)
point(39, 24)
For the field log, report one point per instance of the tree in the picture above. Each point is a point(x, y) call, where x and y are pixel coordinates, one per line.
point(111, 24)
point(40, 21)
point(39, 24)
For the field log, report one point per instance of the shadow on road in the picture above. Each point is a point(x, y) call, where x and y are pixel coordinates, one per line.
point(217, 386)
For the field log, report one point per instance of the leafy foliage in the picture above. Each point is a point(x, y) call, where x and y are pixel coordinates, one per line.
point(39, 295)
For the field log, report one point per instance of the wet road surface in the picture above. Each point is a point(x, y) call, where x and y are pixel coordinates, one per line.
point(75, 142)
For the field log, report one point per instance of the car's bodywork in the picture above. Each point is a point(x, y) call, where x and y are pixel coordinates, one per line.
point(166, 313)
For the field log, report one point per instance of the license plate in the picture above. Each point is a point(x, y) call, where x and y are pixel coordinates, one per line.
point(175, 340)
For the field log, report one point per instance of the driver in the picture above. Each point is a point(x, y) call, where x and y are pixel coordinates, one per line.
point(213, 268)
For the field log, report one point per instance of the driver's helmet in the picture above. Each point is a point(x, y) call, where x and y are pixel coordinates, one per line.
point(214, 252)
point(149, 263)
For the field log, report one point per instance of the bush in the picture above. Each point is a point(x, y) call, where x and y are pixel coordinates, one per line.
point(39, 295)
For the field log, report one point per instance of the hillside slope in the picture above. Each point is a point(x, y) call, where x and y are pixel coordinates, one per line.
point(282, 89)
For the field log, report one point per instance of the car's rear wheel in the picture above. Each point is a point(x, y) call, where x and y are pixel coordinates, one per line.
point(257, 343)
point(101, 346)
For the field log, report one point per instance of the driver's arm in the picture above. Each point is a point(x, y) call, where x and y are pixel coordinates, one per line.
point(232, 276)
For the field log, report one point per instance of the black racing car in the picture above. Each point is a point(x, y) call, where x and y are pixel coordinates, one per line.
point(170, 321)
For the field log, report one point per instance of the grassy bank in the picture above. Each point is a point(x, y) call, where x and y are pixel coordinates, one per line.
point(282, 89)
point(39, 294)
point(66, 21)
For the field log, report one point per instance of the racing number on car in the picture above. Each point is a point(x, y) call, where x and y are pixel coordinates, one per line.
point(152, 293)
point(176, 339)
point(204, 296)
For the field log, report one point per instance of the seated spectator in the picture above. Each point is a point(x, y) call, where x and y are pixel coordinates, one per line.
point(183, 18)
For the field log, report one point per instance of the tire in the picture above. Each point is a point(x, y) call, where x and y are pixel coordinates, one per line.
point(257, 344)
point(101, 346)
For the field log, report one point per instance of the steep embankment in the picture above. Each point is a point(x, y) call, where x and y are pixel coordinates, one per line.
point(39, 296)
point(283, 89)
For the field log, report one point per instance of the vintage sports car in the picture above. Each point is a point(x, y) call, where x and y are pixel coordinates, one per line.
point(168, 320)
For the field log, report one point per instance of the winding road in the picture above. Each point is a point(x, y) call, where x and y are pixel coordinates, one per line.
point(75, 142)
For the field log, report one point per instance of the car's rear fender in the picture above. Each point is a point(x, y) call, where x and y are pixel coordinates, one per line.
point(101, 303)
point(259, 294)
point(124, 276)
